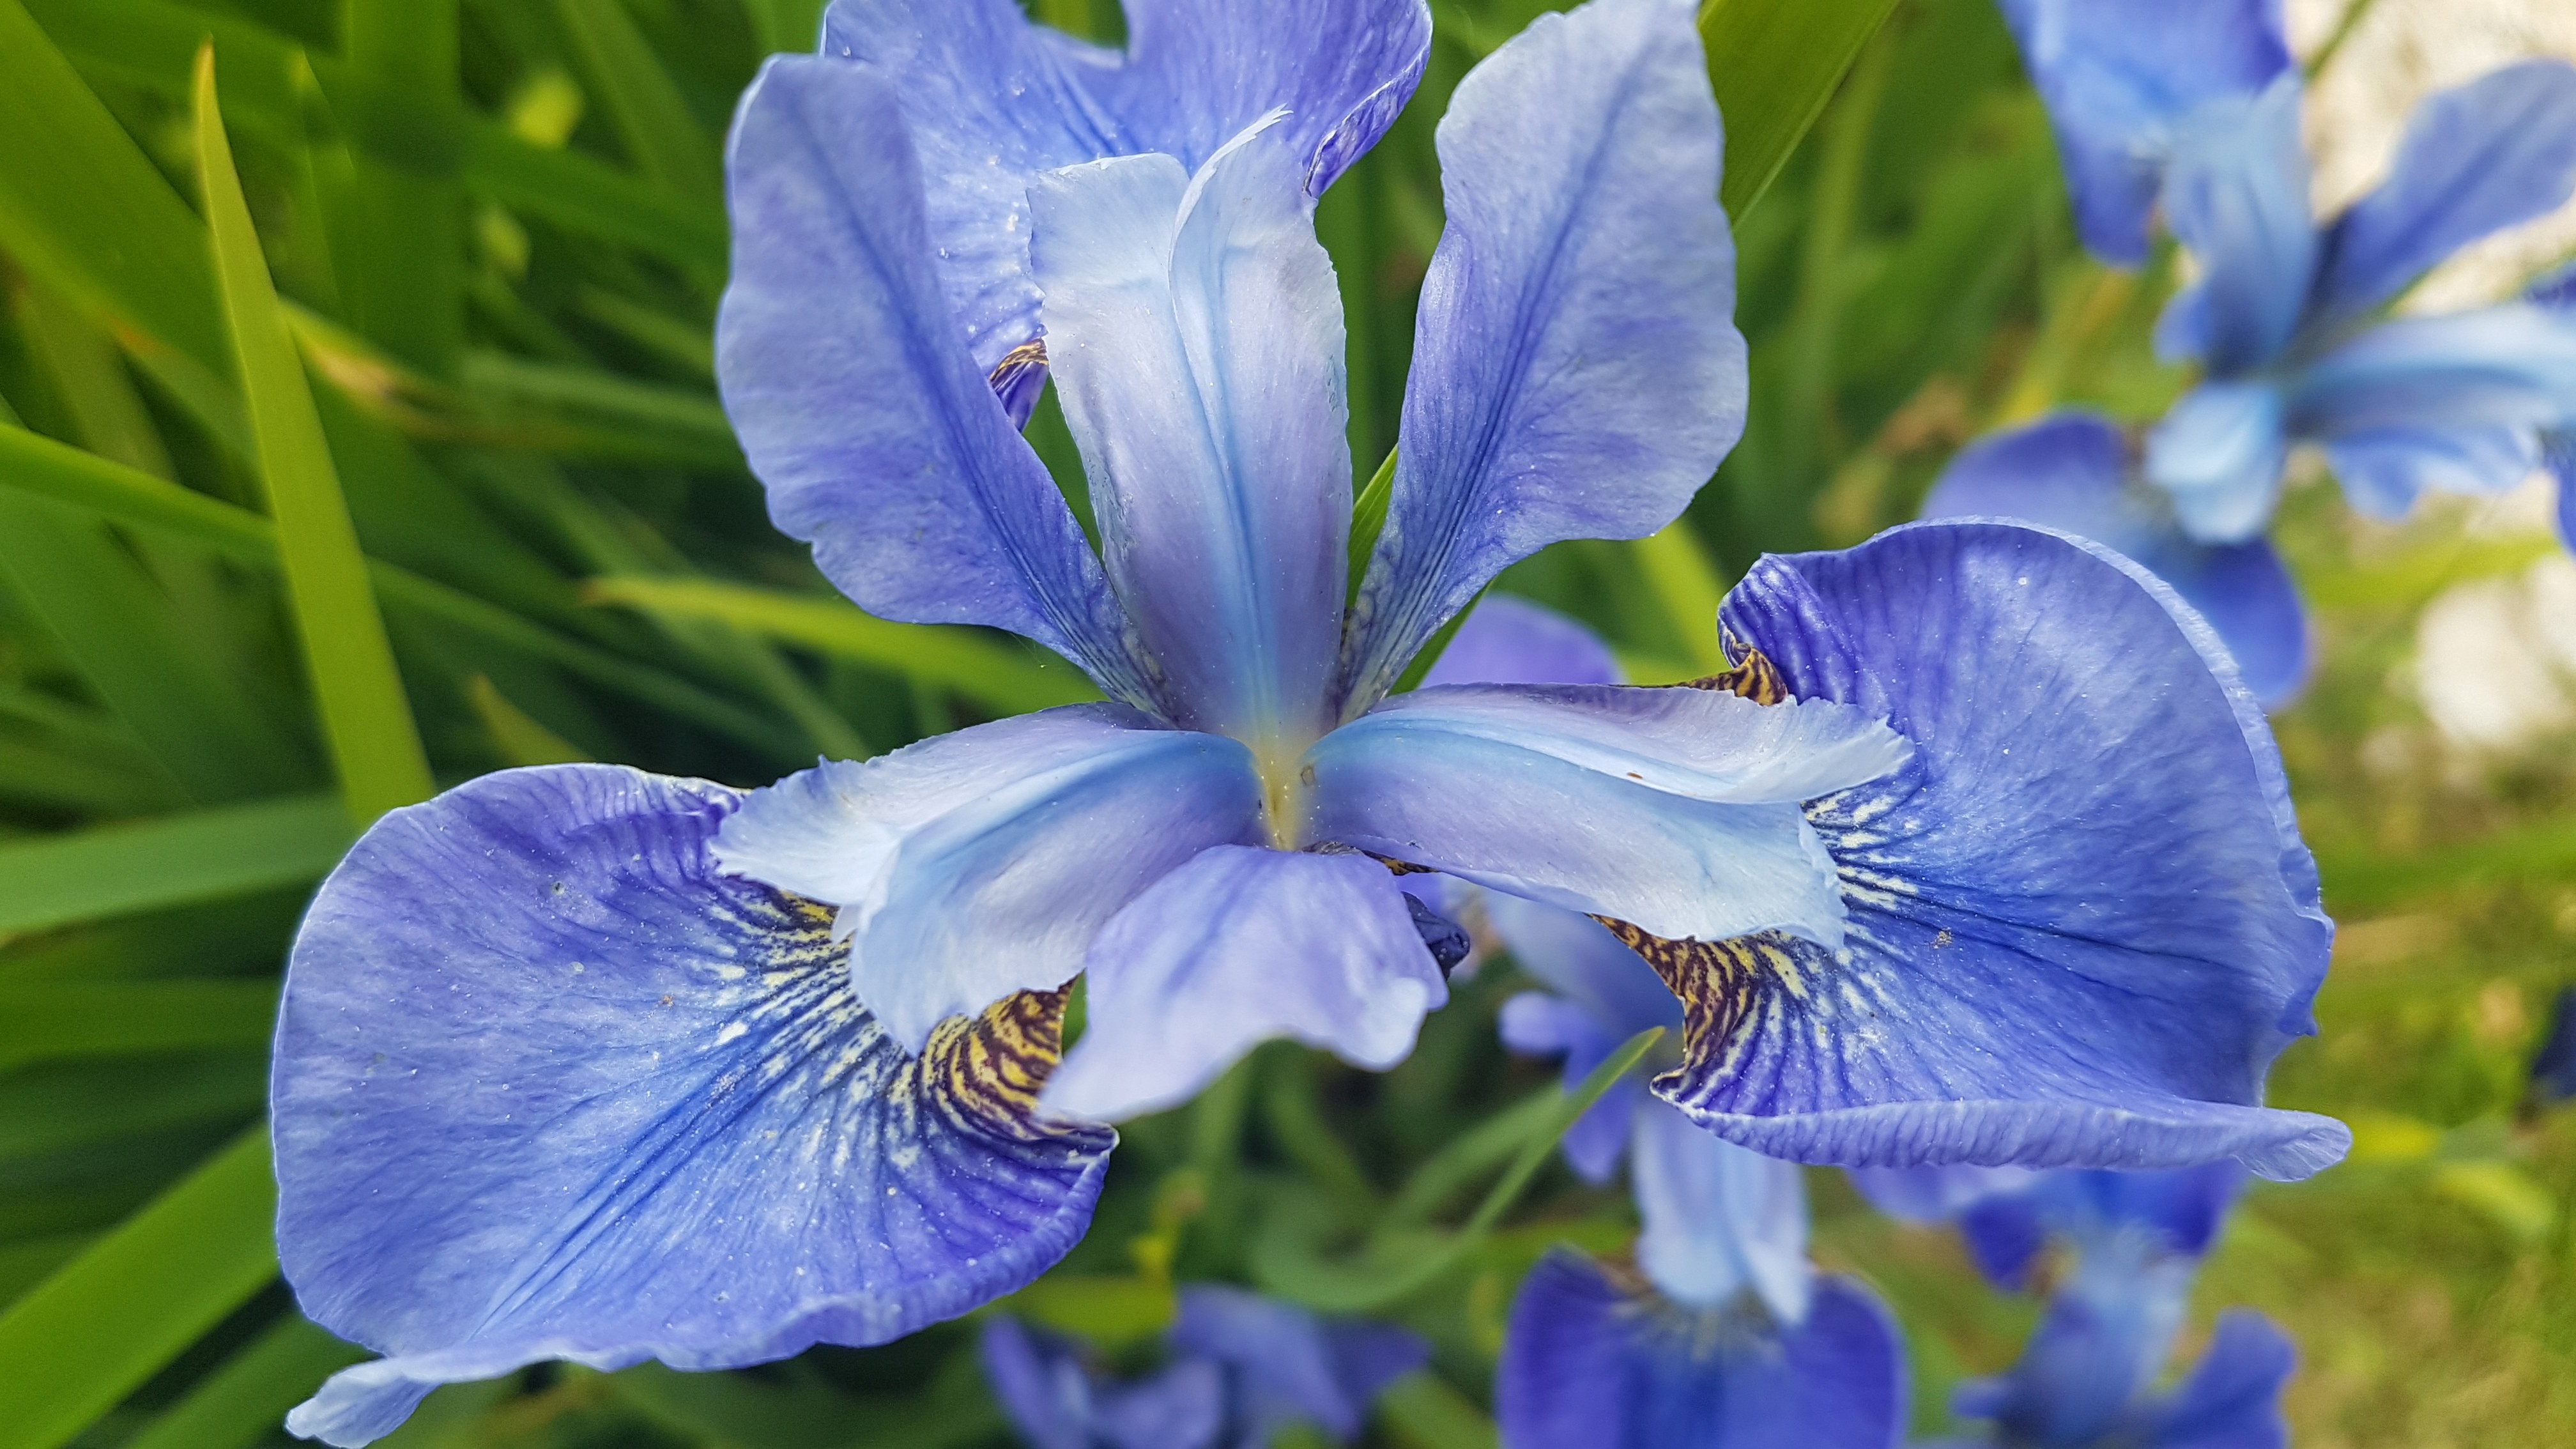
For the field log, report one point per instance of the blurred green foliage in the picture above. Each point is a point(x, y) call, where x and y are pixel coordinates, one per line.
point(496, 240)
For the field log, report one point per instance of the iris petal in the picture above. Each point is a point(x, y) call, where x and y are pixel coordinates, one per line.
point(1576, 373)
point(1539, 1025)
point(2119, 76)
point(1287, 1366)
point(995, 100)
point(1588, 1364)
point(876, 435)
point(1718, 1220)
point(548, 1085)
point(1512, 641)
point(1196, 332)
point(1237, 947)
point(2071, 472)
point(1673, 808)
point(977, 864)
point(2477, 158)
point(2237, 195)
point(2511, 366)
point(2082, 922)
point(2219, 452)
point(2232, 1400)
point(2384, 470)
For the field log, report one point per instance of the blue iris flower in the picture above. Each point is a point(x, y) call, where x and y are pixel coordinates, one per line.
point(2286, 321)
point(2557, 292)
point(2122, 79)
point(1977, 856)
point(1239, 1368)
point(2130, 1244)
point(2285, 315)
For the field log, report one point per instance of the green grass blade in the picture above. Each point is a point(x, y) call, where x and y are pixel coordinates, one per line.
point(118, 628)
point(953, 658)
point(1368, 518)
point(43, 1022)
point(42, 467)
point(242, 1403)
point(663, 140)
point(365, 716)
point(86, 1337)
point(154, 43)
point(1425, 1412)
point(204, 855)
point(1678, 573)
point(399, 247)
point(84, 209)
point(1775, 63)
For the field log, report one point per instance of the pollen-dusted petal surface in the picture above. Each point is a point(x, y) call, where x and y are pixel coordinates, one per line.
point(2071, 472)
point(2081, 920)
point(1674, 807)
point(1576, 368)
point(549, 1085)
point(876, 435)
point(980, 863)
point(1237, 947)
point(994, 99)
point(1591, 1363)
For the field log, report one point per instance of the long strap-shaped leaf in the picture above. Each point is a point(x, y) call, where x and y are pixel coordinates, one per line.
point(374, 745)
point(39, 465)
point(1775, 63)
point(179, 860)
point(241, 1403)
point(110, 1318)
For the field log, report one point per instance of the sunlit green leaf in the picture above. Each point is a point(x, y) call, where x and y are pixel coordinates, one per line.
point(1775, 63)
point(242, 1402)
point(80, 1020)
point(365, 715)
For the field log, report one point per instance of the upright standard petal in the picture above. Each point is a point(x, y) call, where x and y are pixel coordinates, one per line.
point(2118, 77)
point(1576, 368)
point(2081, 920)
point(1513, 641)
point(549, 1084)
point(1237, 947)
point(1674, 809)
point(1718, 1221)
point(875, 433)
point(2561, 457)
point(1196, 335)
point(2477, 158)
point(977, 864)
point(2072, 472)
point(995, 100)
point(2103, 1338)
point(2219, 452)
point(1590, 1362)
point(2176, 1213)
point(2237, 195)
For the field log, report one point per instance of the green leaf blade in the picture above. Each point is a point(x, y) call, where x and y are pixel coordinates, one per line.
point(365, 714)
point(93, 1332)
point(1774, 64)
point(180, 860)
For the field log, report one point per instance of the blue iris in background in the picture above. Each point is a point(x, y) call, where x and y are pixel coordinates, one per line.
point(2121, 78)
point(2196, 108)
point(1977, 856)
point(2122, 1248)
point(1238, 1369)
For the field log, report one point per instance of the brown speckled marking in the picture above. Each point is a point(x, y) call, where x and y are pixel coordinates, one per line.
point(1753, 676)
point(1717, 981)
point(986, 1072)
point(1026, 357)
